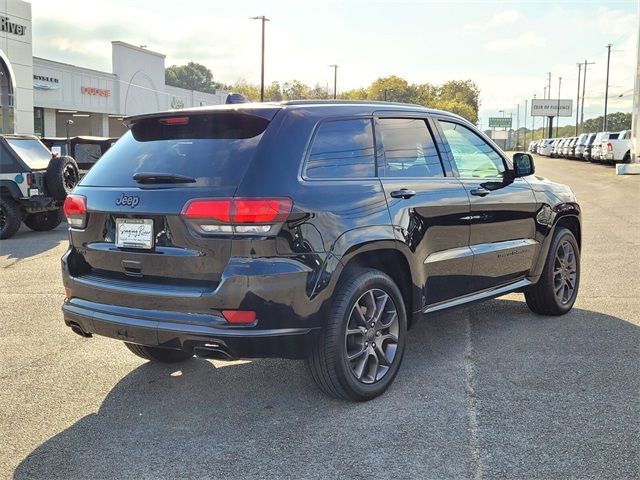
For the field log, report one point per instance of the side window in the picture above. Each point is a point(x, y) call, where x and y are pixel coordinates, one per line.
point(473, 156)
point(7, 163)
point(409, 148)
point(342, 149)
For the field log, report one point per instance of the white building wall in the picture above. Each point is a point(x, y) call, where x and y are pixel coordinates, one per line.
point(140, 74)
point(68, 87)
point(49, 122)
point(18, 51)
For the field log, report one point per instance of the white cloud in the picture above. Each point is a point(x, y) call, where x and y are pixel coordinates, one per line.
point(524, 40)
point(508, 17)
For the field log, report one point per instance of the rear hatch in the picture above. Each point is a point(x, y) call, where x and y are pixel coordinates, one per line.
point(136, 194)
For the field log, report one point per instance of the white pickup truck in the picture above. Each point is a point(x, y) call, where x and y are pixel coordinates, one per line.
point(616, 148)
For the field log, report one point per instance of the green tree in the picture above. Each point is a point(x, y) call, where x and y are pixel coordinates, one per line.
point(250, 91)
point(391, 88)
point(192, 76)
point(615, 122)
point(294, 90)
point(273, 92)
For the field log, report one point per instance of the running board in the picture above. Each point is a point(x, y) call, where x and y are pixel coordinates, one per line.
point(494, 292)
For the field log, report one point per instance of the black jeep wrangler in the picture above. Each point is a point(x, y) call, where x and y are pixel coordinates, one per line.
point(33, 184)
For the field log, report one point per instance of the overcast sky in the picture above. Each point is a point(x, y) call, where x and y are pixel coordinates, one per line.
point(506, 47)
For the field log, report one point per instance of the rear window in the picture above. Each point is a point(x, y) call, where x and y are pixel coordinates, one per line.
point(87, 152)
point(214, 149)
point(613, 136)
point(342, 149)
point(31, 151)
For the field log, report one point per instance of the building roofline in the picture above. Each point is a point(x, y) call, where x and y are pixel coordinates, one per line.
point(75, 66)
point(139, 49)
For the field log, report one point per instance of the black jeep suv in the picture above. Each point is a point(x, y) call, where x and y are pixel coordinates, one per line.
point(308, 230)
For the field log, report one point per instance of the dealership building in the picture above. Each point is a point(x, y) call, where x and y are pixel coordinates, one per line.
point(48, 98)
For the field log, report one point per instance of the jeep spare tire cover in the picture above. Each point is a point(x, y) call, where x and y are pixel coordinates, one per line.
point(62, 176)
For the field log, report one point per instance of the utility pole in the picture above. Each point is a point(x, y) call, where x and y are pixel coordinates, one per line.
point(544, 119)
point(524, 144)
point(558, 112)
point(335, 80)
point(578, 97)
point(549, 84)
point(263, 19)
point(533, 121)
point(606, 89)
point(584, 84)
point(518, 126)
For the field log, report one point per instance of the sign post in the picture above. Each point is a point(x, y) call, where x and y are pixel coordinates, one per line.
point(500, 122)
point(551, 108)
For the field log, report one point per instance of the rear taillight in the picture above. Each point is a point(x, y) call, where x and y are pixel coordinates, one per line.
point(238, 215)
point(609, 146)
point(75, 209)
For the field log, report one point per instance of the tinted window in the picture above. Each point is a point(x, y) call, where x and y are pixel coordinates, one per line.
point(473, 156)
point(613, 136)
point(409, 149)
point(342, 149)
point(213, 149)
point(7, 163)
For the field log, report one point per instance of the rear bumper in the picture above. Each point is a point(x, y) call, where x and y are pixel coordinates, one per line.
point(279, 290)
point(196, 333)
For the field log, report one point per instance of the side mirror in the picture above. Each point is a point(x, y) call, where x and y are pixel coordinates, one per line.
point(523, 164)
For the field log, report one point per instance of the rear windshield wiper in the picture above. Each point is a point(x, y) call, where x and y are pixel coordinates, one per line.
point(162, 178)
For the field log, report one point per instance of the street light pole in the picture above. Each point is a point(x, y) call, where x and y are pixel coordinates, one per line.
point(584, 84)
point(335, 81)
point(263, 19)
point(578, 96)
point(606, 89)
point(524, 144)
point(518, 126)
point(558, 113)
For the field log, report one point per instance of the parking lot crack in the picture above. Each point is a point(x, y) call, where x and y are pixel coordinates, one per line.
point(471, 404)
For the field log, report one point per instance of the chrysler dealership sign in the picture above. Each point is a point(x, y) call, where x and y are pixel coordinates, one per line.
point(549, 108)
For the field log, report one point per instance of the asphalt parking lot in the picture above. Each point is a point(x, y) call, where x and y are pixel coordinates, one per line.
point(488, 391)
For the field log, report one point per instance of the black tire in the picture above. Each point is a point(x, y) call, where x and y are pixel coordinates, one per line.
point(543, 297)
point(158, 354)
point(10, 217)
point(627, 158)
point(62, 176)
point(44, 221)
point(332, 371)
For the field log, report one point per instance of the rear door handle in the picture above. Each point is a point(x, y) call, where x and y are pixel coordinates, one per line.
point(480, 192)
point(402, 193)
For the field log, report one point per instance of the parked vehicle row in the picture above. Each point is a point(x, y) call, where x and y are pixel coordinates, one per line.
point(605, 147)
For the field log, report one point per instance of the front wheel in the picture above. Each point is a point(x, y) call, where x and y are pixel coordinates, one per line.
point(158, 354)
point(556, 291)
point(361, 347)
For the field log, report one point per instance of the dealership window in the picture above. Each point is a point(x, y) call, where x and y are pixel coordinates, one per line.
point(38, 121)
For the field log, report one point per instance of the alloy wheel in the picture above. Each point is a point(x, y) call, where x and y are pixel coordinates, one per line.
point(371, 336)
point(565, 272)
point(70, 177)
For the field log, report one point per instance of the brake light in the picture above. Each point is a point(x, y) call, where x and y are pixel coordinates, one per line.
point(239, 316)
point(174, 121)
point(609, 146)
point(31, 179)
point(238, 215)
point(75, 209)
